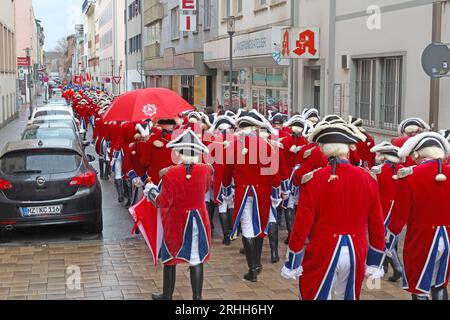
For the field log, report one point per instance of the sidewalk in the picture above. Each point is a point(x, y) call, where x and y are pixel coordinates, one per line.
point(124, 270)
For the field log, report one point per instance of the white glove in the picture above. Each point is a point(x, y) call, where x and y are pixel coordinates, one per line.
point(285, 195)
point(148, 187)
point(374, 272)
point(291, 274)
point(137, 182)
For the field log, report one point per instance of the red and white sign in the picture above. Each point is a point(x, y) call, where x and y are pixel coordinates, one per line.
point(301, 43)
point(23, 61)
point(188, 5)
point(78, 80)
point(188, 22)
point(117, 79)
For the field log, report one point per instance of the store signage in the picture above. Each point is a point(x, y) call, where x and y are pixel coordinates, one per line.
point(188, 5)
point(23, 61)
point(301, 43)
point(188, 16)
point(188, 22)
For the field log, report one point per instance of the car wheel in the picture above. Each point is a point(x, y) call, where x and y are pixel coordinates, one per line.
point(97, 226)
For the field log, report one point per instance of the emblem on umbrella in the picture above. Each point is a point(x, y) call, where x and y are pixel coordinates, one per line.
point(149, 110)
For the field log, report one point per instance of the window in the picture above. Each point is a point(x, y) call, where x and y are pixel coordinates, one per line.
point(153, 33)
point(207, 13)
point(175, 24)
point(391, 89)
point(238, 8)
point(365, 90)
point(378, 91)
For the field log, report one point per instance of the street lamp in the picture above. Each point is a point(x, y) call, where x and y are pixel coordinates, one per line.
point(28, 52)
point(231, 28)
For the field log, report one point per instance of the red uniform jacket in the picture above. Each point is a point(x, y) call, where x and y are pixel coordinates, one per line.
point(155, 155)
point(399, 142)
point(184, 201)
point(387, 185)
point(254, 175)
point(423, 205)
point(291, 157)
point(329, 213)
point(310, 158)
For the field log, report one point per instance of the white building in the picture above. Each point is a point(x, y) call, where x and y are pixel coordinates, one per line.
point(7, 63)
point(111, 43)
point(370, 63)
point(260, 81)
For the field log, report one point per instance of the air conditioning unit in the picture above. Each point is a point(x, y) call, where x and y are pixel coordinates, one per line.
point(346, 61)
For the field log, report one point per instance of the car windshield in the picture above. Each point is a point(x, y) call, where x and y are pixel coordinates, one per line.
point(62, 122)
point(52, 113)
point(40, 162)
point(49, 133)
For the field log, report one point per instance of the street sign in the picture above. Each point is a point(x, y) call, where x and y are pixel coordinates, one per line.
point(117, 79)
point(436, 60)
point(301, 43)
point(21, 74)
point(23, 61)
point(188, 22)
point(188, 5)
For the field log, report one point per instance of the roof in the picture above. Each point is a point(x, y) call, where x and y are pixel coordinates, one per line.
point(25, 145)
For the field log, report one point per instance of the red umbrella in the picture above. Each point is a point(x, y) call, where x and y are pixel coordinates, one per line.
point(148, 220)
point(152, 103)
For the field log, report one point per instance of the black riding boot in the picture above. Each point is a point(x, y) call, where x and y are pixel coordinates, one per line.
point(107, 170)
point(250, 248)
point(210, 206)
point(394, 261)
point(386, 266)
point(101, 165)
point(225, 228)
point(127, 191)
point(440, 294)
point(259, 248)
point(119, 187)
point(417, 297)
point(169, 277)
point(289, 216)
point(279, 214)
point(197, 282)
point(273, 241)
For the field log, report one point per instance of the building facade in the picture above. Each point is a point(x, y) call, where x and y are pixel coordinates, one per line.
point(175, 59)
point(8, 70)
point(370, 61)
point(26, 38)
point(260, 80)
point(111, 44)
point(134, 75)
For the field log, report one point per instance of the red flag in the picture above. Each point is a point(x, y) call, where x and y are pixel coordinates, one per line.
point(148, 219)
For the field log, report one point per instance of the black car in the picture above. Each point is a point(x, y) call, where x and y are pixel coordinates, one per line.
point(47, 182)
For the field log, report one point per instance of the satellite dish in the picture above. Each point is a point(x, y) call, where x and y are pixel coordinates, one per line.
point(436, 60)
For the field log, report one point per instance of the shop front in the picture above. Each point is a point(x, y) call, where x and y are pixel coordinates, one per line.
point(260, 80)
point(185, 74)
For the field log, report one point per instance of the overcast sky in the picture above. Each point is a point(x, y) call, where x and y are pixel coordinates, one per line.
point(58, 18)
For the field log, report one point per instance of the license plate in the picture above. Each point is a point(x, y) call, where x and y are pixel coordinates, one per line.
point(41, 211)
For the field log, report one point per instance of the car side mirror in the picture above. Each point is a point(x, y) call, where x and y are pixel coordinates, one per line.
point(90, 158)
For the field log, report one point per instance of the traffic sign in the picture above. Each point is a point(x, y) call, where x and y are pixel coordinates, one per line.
point(436, 60)
point(117, 79)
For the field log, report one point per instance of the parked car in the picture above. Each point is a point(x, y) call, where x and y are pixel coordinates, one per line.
point(51, 111)
point(56, 102)
point(50, 131)
point(56, 93)
point(59, 119)
point(48, 182)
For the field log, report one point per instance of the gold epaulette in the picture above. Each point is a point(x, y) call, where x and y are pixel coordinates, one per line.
point(308, 177)
point(308, 153)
